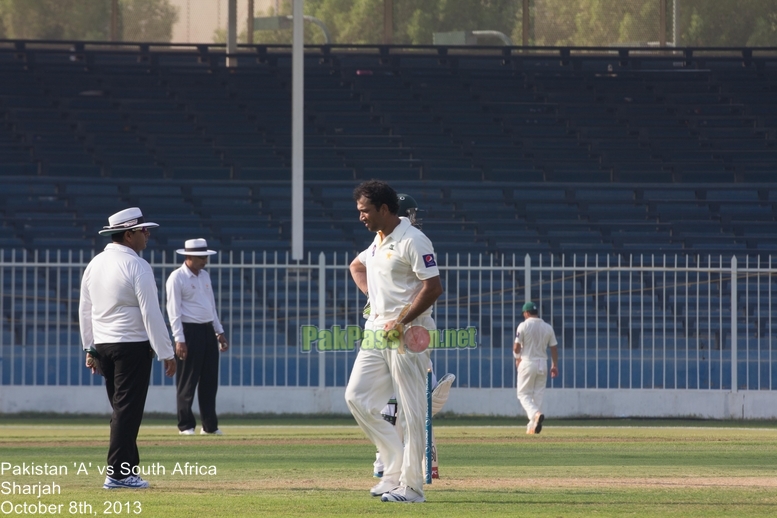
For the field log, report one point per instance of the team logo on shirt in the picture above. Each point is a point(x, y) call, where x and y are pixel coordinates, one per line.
point(429, 260)
point(373, 250)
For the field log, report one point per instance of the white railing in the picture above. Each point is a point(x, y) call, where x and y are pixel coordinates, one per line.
point(647, 322)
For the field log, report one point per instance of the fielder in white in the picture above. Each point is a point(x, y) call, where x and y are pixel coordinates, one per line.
point(532, 340)
point(398, 269)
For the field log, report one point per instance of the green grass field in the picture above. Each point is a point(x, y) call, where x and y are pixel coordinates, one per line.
point(322, 467)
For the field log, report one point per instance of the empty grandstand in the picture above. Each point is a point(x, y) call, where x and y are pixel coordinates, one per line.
point(630, 192)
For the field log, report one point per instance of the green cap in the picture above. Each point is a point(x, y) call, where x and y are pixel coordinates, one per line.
point(530, 306)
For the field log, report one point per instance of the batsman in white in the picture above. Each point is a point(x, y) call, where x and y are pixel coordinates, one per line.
point(397, 270)
point(532, 339)
point(408, 208)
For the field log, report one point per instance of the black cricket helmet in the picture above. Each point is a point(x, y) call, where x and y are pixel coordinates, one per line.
point(409, 208)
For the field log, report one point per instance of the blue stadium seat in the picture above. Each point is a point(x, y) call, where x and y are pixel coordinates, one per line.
point(419, 121)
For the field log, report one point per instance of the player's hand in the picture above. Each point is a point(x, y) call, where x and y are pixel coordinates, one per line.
point(395, 331)
point(517, 362)
point(391, 325)
point(90, 363)
point(223, 345)
point(553, 372)
point(170, 367)
point(181, 351)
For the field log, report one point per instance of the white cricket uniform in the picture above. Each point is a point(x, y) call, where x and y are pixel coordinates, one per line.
point(389, 410)
point(535, 336)
point(396, 267)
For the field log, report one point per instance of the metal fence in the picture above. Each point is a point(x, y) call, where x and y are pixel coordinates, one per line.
point(647, 322)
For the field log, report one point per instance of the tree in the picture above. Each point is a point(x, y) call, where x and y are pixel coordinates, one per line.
point(56, 19)
point(361, 21)
point(312, 35)
point(764, 32)
point(701, 23)
point(147, 20)
point(143, 20)
point(556, 22)
point(417, 25)
point(723, 23)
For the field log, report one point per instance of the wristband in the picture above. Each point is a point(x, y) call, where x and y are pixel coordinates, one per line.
point(517, 356)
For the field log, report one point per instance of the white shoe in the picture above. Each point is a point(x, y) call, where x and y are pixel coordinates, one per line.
point(190, 431)
point(403, 494)
point(217, 432)
point(441, 392)
point(384, 486)
point(131, 482)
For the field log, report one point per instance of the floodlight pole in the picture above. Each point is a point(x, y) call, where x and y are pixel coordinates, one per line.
point(297, 130)
point(388, 22)
point(525, 23)
point(114, 20)
point(250, 21)
point(231, 33)
point(674, 23)
point(527, 37)
point(662, 23)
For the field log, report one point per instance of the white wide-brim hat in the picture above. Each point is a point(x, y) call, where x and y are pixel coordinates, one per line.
point(127, 219)
point(195, 247)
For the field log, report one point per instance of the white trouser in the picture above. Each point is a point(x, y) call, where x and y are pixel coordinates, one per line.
point(532, 376)
point(378, 465)
point(376, 375)
point(387, 410)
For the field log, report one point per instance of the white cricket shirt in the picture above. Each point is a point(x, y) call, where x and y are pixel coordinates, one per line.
point(396, 268)
point(535, 336)
point(119, 302)
point(190, 301)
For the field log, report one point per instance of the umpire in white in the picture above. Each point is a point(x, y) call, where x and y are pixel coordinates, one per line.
point(198, 335)
point(122, 326)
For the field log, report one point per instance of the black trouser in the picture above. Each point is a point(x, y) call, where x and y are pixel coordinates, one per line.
point(127, 370)
point(201, 366)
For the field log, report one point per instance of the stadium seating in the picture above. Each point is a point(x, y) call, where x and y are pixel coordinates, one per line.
point(446, 126)
point(507, 157)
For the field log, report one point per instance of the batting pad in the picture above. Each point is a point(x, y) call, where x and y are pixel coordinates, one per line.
point(441, 392)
